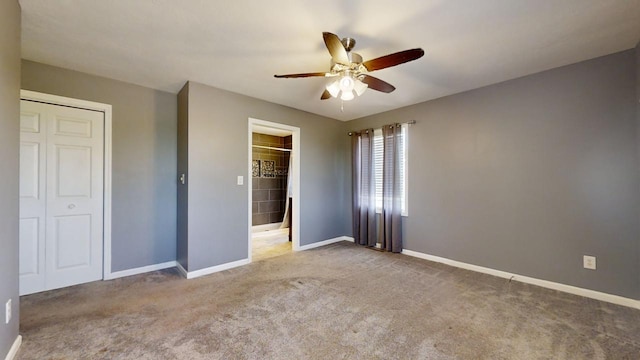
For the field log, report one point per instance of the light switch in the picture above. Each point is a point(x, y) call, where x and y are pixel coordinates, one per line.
point(240, 180)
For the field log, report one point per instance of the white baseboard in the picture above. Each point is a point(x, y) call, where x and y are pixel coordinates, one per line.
point(231, 265)
point(14, 348)
point(614, 299)
point(210, 270)
point(140, 270)
point(325, 242)
point(181, 270)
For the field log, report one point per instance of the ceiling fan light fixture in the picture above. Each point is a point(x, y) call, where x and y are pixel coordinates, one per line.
point(347, 95)
point(360, 87)
point(347, 83)
point(334, 88)
point(346, 87)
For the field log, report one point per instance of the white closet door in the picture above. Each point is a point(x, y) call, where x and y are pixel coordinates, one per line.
point(73, 204)
point(33, 147)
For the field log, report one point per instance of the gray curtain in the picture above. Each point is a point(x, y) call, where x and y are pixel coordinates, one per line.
point(364, 201)
point(392, 188)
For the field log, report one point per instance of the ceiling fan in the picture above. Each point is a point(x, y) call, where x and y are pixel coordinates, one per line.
point(351, 72)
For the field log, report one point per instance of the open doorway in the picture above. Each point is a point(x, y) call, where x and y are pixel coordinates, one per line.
point(273, 190)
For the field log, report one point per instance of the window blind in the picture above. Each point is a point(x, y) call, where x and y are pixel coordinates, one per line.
point(377, 164)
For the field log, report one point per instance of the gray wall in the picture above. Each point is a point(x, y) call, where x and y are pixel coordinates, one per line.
point(9, 163)
point(218, 208)
point(529, 175)
point(637, 99)
point(144, 160)
point(183, 168)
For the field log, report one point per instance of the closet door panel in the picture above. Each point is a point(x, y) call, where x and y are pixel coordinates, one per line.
point(74, 196)
point(32, 198)
point(71, 243)
point(30, 254)
point(73, 175)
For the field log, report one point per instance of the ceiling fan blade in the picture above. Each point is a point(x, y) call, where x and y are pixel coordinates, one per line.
point(393, 59)
point(303, 75)
point(336, 49)
point(325, 95)
point(377, 84)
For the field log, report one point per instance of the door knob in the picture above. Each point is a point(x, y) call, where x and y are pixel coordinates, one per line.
point(71, 206)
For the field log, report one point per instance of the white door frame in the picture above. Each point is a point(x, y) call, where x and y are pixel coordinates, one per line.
point(106, 109)
point(295, 215)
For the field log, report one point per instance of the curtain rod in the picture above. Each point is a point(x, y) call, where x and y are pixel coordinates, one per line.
point(410, 122)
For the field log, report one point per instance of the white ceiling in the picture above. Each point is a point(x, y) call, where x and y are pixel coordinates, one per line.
point(239, 45)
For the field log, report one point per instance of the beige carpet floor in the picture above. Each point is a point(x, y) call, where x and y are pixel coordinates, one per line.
point(335, 302)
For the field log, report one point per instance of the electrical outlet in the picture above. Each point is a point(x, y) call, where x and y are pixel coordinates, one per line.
point(7, 316)
point(589, 262)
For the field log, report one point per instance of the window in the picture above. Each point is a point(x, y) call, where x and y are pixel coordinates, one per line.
point(377, 168)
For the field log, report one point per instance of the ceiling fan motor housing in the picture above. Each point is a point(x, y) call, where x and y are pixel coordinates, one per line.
point(355, 57)
point(355, 65)
point(348, 43)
